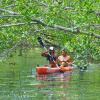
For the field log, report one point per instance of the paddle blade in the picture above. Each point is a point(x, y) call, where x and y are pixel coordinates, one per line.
point(40, 41)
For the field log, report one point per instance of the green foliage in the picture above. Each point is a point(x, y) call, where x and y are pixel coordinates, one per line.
point(80, 15)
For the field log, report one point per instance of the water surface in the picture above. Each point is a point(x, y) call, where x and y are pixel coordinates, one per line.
point(20, 82)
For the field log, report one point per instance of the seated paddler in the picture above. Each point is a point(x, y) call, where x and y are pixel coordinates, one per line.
point(51, 57)
point(64, 59)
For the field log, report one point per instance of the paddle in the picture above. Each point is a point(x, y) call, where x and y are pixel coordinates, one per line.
point(42, 44)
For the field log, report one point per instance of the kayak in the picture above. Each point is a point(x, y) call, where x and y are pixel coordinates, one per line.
point(48, 70)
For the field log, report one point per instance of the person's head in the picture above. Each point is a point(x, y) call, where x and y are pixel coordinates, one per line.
point(51, 50)
point(63, 52)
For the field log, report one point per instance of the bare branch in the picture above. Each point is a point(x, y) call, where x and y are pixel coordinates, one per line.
point(92, 34)
point(43, 4)
point(54, 26)
point(68, 8)
point(4, 16)
point(12, 5)
point(10, 12)
point(36, 31)
point(17, 24)
point(97, 13)
point(73, 30)
point(8, 25)
point(63, 28)
point(96, 35)
point(96, 25)
point(39, 22)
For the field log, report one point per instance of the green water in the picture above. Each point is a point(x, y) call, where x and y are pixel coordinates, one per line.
point(18, 81)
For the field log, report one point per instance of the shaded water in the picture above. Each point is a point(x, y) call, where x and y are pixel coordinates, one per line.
point(20, 82)
point(15, 85)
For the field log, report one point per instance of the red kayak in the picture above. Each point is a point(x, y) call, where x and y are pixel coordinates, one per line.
point(48, 70)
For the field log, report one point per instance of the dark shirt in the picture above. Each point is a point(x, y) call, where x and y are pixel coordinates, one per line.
point(51, 58)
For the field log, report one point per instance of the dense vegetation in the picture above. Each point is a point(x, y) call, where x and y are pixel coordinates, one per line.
point(70, 24)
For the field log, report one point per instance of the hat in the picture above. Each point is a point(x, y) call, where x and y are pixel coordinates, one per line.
point(51, 48)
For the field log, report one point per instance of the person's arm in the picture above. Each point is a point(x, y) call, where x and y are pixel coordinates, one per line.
point(44, 54)
point(58, 61)
point(69, 61)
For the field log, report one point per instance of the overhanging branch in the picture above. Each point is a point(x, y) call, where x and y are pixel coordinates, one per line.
point(9, 6)
point(74, 30)
point(8, 11)
point(16, 24)
point(6, 16)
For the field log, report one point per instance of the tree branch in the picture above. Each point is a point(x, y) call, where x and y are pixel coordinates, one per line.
point(10, 12)
point(96, 25)
point(17, 24)
point(96, 35)
point(68, 8)
point(97, 13)
point(41, 3)
point(58, 27)
point(39, 22)
point(92, 34)
point(54, 26)
point(12, 5)
point(3, 16)
point(73, 29)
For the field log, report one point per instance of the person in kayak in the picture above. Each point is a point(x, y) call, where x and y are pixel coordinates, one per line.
point(51, 57)
point(64, 59)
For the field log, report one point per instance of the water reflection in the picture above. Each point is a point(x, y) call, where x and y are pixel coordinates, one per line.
point(55, 77)
point(54, 86)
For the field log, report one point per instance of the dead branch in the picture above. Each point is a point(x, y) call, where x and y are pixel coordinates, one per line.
point(4, 16)
point(73, 29)
point(8, 11)
point(17, 24)
point(97, 13)
point(12, 5)
point(39, 22)
point(96, 25)
point(68, 8)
